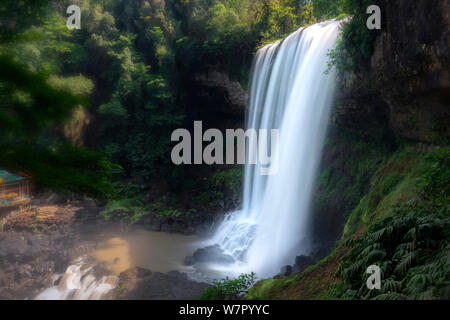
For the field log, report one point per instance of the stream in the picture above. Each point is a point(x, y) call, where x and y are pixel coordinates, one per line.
point(93, 276)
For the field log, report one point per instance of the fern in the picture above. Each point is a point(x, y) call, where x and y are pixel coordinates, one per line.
point(406, 262)
point(390, 296)
point(411, 246)
point(391, 286)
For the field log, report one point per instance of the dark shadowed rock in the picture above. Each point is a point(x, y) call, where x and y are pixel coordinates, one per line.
point(212, 254)
point(217, 82)
point(301, 263)
point(189, 261)
point(405, 85)
point(286, 271)
point(141, 284)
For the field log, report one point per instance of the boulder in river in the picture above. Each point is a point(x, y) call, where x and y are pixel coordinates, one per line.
point(209, 254)
point(141, 284)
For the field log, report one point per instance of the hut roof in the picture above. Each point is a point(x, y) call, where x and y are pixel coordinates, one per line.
point(6, 177)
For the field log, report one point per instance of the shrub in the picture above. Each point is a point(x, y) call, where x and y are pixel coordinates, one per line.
point(63, 167)
point(130, 209)
point(411, 245)
point(229, 289)
point(355, 45)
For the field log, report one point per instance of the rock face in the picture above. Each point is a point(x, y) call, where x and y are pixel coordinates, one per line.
point(407, 83)
point(142, 284)
point(217, 84)
point(209, 254)
point(301, 263)
point(38, 241)
point(286, 271)
point(402, 91)
point(29, 261)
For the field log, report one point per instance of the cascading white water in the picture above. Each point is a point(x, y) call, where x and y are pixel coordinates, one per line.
point(79, 283)
point(289, 91)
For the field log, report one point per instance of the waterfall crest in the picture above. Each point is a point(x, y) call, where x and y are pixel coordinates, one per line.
point(289, 91)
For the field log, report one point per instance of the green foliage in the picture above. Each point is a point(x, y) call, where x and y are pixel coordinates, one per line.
point(129, 210)
point(136, 122)
point(62, 167)
point(356, 43)
point(405, 227)
point(77, 85)
point(410, 245)
point(326, 9)
point(229, 289)
point(215, 31)
point(223, 184)
point(311, 284)
point(16, 17)
point(228, 180)
point(28, 102)
point(37, 101)
point(228, 31)
point(139, 54)
point(391, 184)
point(434, 184)
point(346, 180)
point(166, 212)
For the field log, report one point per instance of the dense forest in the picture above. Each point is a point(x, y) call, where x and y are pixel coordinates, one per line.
point(89, 112)
point(121, 84)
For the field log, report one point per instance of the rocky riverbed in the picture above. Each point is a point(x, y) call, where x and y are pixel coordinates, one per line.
point(41, 239)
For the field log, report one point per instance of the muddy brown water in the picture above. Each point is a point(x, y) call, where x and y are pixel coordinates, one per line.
point(116, 252)
point(156, 251)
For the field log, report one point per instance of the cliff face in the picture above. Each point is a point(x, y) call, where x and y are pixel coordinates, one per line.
point(383, 127)
point(401, 94)
point(407, 82)
point(215, 85)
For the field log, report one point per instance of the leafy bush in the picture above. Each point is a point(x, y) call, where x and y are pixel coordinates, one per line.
point(130, 210)
point(356, 43)
point(411, 245)
point(407, 248)
point(229, 289)
point(326, 9)
point(228, 180)
point(169, 212)
point(63, 167)
point(434, 184)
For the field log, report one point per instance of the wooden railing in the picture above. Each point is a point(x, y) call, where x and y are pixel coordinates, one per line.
point(13, 191)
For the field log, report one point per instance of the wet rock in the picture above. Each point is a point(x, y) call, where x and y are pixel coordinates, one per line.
point(128, 281)
point(3, 279)
point(90, 201)
point(16, 247)
point(406, 82)
point(52, 197)
point(212, 254)
point(301, 263)
point(142, 284)
point(286, 271)
point(43, 268)
point(216, 84)
point(37, 249)
point(189, 261)
point(22, 273)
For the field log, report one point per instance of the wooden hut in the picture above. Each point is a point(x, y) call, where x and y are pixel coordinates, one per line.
point(13, 188)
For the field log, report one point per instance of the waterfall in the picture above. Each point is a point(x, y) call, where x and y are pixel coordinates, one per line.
point(289, 91)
